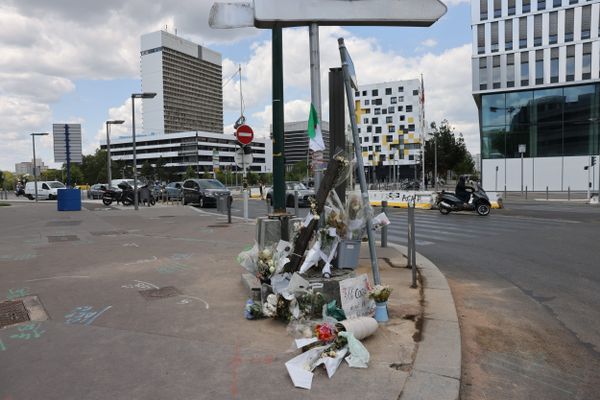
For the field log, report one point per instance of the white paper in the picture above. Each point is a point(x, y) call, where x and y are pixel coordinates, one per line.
point(300, 343)
point(300, 367)
point(332, 363)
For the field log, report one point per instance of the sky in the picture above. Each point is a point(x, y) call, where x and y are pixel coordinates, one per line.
point(78, 61)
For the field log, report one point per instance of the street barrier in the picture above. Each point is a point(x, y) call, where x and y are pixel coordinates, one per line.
point(401, 198)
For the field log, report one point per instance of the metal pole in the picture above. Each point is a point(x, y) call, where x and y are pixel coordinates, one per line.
point(525, 192)
point(359, 161)
point(278, 123)
point(496, 186)
point(315, 92)
point(108, 166)
point(522, 174)
point(414, 247)
point(384, 232)
point(135, 193)
point(435, 178)
point(229, 202)
point(68, 149)
point(569, 193)
point(546, 192)
point(245, 197)
point(588, 180)
point(296, 203)
point(34, 169)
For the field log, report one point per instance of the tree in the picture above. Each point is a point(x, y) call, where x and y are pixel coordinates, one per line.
point(298, 171)
point(159, 169)
point(147, 171)
point(52, 175)
point(190, 173)
point(452, 154)
point(9, 180)
point(1, 179)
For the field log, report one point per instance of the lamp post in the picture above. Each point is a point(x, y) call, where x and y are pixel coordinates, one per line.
point(145, 95)
point(108, 166)
point(33, 135)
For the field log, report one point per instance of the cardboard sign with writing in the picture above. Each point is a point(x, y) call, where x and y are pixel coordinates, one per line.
point(354, 293)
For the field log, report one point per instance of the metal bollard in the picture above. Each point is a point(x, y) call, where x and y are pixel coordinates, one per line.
point(525, 192)
point(229, 203)
point(546, 192)
point(296, 206)
point(569, 193)
point(245, 197)
point(268, 203)
point(412, 252)
point(384, 228)
point(505, 192)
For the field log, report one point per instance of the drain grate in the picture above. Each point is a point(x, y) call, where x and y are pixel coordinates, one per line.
point(63, 238)
point(12, 312)
point(160, 293)
point(63, 223)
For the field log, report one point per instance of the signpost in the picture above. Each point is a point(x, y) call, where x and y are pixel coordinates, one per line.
point(67, 145)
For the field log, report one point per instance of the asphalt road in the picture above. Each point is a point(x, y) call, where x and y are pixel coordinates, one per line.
point(527, 287)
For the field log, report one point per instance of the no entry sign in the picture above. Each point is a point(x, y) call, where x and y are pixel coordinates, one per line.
point(244, 134)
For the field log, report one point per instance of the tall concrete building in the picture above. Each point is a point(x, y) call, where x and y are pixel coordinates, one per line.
point(188, 81)
point(390, 128)
point(536, 82)
point(295, 143)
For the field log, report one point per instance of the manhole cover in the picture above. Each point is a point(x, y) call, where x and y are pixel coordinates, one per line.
point(63, 223)
point(12, 312)
point(161, 293)
point(63, 238)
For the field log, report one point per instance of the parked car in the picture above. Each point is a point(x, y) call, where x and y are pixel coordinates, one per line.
point(45, 189)
point(173, 190)
point(203, 192)
point(96, 191)
point(304, 194)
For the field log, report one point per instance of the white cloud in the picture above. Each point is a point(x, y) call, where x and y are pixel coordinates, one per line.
point(429, 42)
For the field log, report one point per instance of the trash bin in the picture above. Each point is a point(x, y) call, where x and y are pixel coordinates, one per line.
point(348, 253)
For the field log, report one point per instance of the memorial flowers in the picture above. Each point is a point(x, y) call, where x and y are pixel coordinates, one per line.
point(380, 293)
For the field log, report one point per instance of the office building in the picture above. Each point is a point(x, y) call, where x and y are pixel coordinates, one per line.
point(201, 150)
point(187, 79)
point(296, 142)
point(26, 167)
point(389, 117)
point(536, 83)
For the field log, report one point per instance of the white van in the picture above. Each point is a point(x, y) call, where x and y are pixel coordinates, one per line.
point(46, 189)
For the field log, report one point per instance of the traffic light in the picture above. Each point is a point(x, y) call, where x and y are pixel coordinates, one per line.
point(593, 161)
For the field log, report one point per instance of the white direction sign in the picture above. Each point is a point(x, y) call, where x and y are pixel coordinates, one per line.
point(243, 160)
point(285, 13)
point(59, 132)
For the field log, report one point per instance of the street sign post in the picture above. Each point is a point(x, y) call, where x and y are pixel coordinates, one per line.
point(244, 134)
point(67, 145)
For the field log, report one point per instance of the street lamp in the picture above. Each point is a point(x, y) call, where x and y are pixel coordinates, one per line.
point(33, 135)
point(108, 167)
point(145, 95)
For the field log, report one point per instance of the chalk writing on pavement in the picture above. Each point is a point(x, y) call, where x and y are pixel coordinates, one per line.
point(84, 315)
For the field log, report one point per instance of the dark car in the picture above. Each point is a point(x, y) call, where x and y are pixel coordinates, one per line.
point(173, 190)
point(96, 191)
point(304, 194)
point(203, 192)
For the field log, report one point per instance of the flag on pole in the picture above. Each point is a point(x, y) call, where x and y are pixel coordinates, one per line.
point(314, 131)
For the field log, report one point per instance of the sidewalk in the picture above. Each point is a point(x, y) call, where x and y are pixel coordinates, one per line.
point(104, 340)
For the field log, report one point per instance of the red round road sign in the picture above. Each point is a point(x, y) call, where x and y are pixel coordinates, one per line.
point(244, 134)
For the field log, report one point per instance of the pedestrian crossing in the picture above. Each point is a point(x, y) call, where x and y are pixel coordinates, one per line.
point(431, 227)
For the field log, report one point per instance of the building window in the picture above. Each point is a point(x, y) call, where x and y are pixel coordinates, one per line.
point(570, 63)
point(480, 39)
point(374, 120)
point(409, 108)
point(539, 67)
point(483, 10)
point(497, 8)
point(391, 110)
point(400, 108)
point(522, 32)
point(526, 6)
point(377, 130)
point(483, 73)
point(586, 22)
point(569, 25)
point(367, 102)
point(376, 138)
point(391, 129)
point(586, 61)
point(377, 111)
point(388, 120)
point(369, 130)
point(402, 118)
point(411, 127)
point(400, 99)
point(537, 30)
point(524, 69)
point(415, 92)
point(512, 8)
point(357, 94)
point(554, 65)
point(364, 92)
point(393, 100)
point(365, 120)
point(510, 70)
point(374, 92)
point(357, 129)
point(508, 34)
point(541, 5)
point(556, 3)
point(496, 72)
point(494, 38)
point(400, 89)
point(553, 32)
point(388, 91)
point(384, 110)
point(377, 102)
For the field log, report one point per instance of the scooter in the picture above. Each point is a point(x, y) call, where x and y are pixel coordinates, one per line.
point(478, 201)
point(125, 195)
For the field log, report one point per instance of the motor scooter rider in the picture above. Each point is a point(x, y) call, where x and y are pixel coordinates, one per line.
point(461, 190)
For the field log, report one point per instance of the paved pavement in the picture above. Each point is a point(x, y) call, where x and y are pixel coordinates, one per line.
point(104, 340)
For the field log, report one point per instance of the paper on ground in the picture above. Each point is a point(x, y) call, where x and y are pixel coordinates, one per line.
point(300, 367)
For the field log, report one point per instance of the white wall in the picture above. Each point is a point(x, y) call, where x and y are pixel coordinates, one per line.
point(557, 173)
point(152, 81)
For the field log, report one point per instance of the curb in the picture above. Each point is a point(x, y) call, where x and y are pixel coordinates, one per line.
point(436, 371)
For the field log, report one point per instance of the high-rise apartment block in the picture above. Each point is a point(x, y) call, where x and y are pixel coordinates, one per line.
point(536, 82)
point(188, 81)
point(390, 128)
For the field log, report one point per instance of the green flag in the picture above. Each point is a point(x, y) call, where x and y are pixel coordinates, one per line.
point(314, 131)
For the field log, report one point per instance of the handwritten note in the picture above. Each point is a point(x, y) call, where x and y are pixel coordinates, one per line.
point(354, 293)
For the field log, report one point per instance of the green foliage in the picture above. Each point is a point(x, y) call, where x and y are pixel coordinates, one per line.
point(52, 175)
point(147, 171)
point(190, 173)
point(160, 170)
point(252, 178)
point(452, 154)
point(1, 179)
point(9, 180)
point(298, 172)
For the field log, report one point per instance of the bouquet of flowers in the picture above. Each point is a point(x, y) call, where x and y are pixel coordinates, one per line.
point(380, 293)
point(265, 266)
